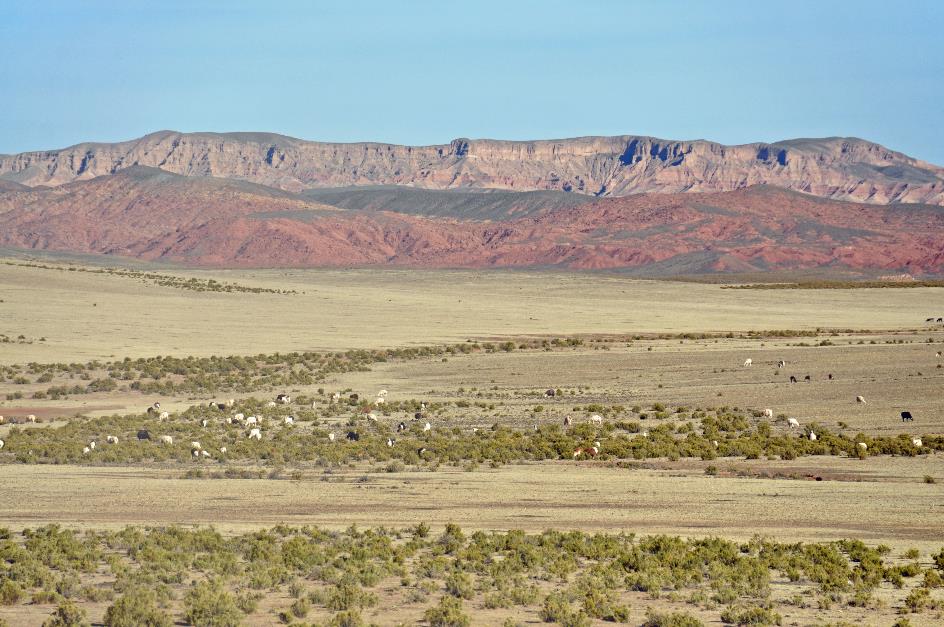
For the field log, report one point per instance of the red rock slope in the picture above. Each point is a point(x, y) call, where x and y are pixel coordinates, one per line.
point(150, 214)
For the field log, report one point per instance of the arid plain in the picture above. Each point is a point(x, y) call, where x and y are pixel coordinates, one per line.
point(650, 356)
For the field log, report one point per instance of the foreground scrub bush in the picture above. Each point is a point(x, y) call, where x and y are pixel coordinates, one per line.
point(136, 608)
point(210, 605)
point(67, 615)
point(447, 614)
point(671, 619)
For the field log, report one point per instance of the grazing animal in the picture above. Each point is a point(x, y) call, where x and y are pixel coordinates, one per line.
point(916, 442)
point(92, 445)
point(255, 433)
point(906, 416)
point(861, 399)
point(1, 420)
point(550, 393)
point(830, 376)
point(423, 406)
point(380, 400)
point(238, 417)
point(401, 427)
point(271, 404)
point(390, 442)
point(354, 397)
point(807, 379)
point(205, 453)
point(285, 399)
point(163, 416)
point(940, 319)
point(144, 434)
point(204, 423)
point(335, 397)
point(195, 453)
point(331, 437)
point(714, 443)
point(418, 416)
point(372, 417)
point(793, 379)
point(929, 319)
point(289, 420)
point(314, 404)
point(252, 420)
point(748, 361)
point(195, 446)
point(421, 450)
point(591, 451)
point(938, 354)
point(812, 437)
point(166, 439)
point(793, 422)
point(153, 409)
point(31, 418)
point(86, 450)
point(781, 364)
point(768, 413)
point(111, 439)
point(353, 436)
point(567, 421)
point(1, 444)
point(381, 393)
point(427, 427)
point(596, 419)
point(223, 450)
point(862, 445)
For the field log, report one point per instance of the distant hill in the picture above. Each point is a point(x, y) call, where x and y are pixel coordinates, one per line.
point(839, 168)
point(151, 214)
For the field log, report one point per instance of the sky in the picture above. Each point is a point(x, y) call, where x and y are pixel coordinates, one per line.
point(426, 72)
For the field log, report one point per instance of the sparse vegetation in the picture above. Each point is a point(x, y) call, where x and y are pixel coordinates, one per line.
point(587, 576)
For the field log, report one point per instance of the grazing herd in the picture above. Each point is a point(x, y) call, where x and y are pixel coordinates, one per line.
point(254, 428)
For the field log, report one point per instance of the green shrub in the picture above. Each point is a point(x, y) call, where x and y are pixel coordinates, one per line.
point(753, 615)
point(301, 607)
point(349, 618)
point(448, 613)
point(10, 592)
point(670, 619)
point(67, 615)
point(556, 609)
point(136, 608)
point(918, 599)
point(459, 585)
point(208, 604)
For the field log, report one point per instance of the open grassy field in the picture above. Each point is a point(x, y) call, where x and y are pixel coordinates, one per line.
point(685, 449)
point(89, 316)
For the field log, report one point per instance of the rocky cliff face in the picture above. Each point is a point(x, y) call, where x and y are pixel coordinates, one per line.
point(151, 214)
point(838, 168)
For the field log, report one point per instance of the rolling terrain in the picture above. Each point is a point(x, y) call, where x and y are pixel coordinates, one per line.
point(150, 214)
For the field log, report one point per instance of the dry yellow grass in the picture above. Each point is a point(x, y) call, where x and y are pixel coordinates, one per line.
point(879, 499)
point(89, 316)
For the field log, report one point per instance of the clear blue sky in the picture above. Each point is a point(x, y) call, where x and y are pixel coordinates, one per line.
point(426, 72)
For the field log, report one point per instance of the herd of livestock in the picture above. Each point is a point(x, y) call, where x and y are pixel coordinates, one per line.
point(253, 426)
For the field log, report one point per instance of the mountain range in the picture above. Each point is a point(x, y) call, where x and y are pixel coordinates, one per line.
point(638, 204)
